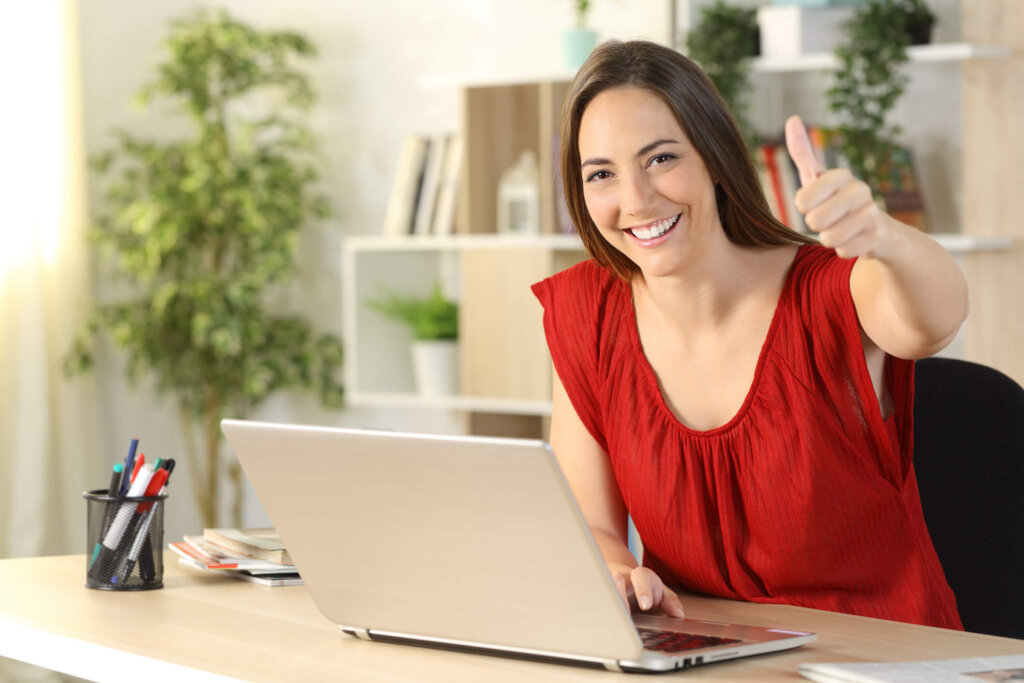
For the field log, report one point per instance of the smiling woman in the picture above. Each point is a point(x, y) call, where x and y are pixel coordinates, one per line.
point(743, 393)
point(691, 117)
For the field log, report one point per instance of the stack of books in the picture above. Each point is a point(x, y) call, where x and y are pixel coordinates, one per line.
point(256, 555)
point(422, 200)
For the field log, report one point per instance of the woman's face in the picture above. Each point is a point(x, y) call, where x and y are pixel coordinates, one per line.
point(645, 186)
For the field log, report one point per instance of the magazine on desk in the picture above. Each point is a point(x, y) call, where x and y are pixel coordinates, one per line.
point(200, 553)
point(1003, 669)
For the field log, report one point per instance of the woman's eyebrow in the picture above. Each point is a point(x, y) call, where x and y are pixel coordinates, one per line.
point(643, 150)
point(657, 143)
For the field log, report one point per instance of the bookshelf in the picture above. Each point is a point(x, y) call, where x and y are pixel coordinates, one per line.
point(504, 365)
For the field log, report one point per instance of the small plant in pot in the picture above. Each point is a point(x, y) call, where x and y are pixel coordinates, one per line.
point(870, 80)
point(433, 322)
point(580, 40)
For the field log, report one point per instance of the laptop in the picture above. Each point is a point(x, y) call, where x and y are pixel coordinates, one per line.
point(467, 543)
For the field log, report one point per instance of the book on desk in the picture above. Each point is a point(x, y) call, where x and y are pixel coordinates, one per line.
point(255, 555)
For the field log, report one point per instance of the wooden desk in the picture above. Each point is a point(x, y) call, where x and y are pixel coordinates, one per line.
point(201, 627)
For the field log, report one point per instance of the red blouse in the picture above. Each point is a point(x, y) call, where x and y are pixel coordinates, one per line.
point(807, 496)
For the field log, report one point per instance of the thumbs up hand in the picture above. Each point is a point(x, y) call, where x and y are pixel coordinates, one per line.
point(835, 205)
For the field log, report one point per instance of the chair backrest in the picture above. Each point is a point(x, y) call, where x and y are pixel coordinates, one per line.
point(969, 460)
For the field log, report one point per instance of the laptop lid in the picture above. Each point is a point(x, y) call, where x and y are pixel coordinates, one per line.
point(468, 539)
point(458, 541)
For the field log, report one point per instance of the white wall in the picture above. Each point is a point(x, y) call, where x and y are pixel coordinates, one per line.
point(373, 58)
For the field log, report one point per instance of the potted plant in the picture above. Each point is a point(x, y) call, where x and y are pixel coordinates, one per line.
point(723, 43)
point(202, 231)
point(580, 40)
point(870, 81)
point(434, 324)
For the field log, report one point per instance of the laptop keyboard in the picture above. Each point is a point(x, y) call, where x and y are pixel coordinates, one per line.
point(674, 641)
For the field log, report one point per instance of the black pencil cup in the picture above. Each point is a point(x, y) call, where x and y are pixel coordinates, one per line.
point(124, 550)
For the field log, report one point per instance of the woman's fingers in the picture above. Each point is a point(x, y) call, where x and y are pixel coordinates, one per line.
point(671, 605)
point(650, 592)
point(640, 588)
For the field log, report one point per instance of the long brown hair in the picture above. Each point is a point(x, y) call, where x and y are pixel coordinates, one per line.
point(703, 116)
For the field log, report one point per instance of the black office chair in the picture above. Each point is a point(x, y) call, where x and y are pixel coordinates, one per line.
point(969, 459)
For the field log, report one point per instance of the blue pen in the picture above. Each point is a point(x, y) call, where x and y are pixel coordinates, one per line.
point(129, 461)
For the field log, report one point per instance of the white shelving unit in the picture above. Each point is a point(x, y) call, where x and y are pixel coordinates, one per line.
point(378, 368)
point(937, 52)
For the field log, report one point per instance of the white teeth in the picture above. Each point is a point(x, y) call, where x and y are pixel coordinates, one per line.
point(656, 230)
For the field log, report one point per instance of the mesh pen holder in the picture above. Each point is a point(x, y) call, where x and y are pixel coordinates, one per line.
point(125, 541)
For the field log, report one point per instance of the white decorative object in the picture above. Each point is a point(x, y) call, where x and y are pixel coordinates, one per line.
point(790, 30)
point(436, 365)
point(519, 197)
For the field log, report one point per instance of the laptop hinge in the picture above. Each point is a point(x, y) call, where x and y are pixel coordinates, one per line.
point(360, 633)
point(612, 665)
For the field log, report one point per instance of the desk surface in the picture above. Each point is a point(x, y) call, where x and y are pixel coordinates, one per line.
point(209, 628)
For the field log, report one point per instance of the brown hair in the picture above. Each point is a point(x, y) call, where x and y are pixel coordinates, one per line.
point(704, 118)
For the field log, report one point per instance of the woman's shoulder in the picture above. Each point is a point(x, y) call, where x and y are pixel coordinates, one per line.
point(818, 271)
point(584, 281)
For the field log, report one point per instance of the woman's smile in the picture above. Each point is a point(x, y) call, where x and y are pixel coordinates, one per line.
point(653, 233)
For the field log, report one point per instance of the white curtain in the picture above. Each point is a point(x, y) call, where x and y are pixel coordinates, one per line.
point(48, 431)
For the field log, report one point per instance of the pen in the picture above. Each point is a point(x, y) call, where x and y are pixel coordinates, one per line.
point(108, 515)
point(128, 462)
point(146, 511)
point(146, 569)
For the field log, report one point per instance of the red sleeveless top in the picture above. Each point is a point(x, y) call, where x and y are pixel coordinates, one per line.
point(807, 496)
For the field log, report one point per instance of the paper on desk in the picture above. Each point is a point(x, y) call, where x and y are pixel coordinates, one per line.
point(1004, 669)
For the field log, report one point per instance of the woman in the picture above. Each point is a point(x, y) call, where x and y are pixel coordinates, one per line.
point(744, 393)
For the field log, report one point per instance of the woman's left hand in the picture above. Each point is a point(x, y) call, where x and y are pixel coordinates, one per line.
point(836, 205)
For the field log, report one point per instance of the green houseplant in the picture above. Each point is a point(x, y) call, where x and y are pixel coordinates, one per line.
point(723, 42)
point(203, 231)
point(433, 322)
point(870, 80)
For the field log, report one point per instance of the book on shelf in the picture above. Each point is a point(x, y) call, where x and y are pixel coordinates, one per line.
point(405, 188)
point(433, 167)
point(899, 189)
point(264, 543)
point(780, 181)
point(444, 214)
point(899, 192)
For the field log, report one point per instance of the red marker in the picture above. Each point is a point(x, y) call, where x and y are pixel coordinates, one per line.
point(139, 462)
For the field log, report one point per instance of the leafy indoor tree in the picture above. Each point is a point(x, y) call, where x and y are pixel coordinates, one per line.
point(204, 231)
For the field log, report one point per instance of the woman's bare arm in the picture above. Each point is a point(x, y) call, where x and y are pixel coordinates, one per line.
point(589, 472)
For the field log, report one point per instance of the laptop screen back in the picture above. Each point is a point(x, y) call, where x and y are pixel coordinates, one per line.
point(461, 538)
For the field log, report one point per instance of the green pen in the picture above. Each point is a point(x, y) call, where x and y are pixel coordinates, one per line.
point(115, 486)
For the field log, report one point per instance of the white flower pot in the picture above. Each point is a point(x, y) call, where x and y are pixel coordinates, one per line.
point(436, 365)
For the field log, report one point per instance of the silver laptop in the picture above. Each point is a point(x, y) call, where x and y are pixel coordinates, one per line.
point(467, 543)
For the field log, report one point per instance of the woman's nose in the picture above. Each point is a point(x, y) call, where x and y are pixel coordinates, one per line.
point(637, 195)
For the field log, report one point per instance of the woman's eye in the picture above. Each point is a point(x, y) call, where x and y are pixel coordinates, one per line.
point(661, 159)
point(598, 175)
